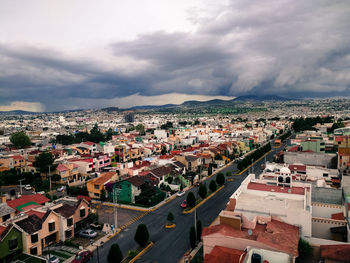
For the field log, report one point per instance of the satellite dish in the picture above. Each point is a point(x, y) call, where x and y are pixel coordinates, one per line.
point(250, 232)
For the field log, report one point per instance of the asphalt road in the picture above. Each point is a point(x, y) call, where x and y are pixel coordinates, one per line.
point(171, 244)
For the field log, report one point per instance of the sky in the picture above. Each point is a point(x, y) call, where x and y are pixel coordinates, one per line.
point(64, 54)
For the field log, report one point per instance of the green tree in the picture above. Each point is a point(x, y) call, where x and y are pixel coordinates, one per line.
point(141, 129)
point(20, 139)
point(170, 179)
point(191, 199)
point(109, 134)
point(218, 157)
point(163, 152)
point(43, 161)
point(170, 217)
point(103, 195)
point(202, 191)
point(55, 177)
point(228, 173)
point(193, 237)
point(220, 179)
point(212, 186)
point(95, 135)
point(115, 255)
point(304, 249)
point(199, 230)
point(142, 235)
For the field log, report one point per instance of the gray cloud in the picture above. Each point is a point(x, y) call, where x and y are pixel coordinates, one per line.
point(290, 48)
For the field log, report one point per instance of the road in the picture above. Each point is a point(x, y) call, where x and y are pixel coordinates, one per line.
point(171, 244)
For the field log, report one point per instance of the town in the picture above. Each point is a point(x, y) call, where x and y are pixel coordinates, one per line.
point(117, 185)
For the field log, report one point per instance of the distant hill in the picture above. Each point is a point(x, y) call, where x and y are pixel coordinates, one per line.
point(110, 109)
point(261, 98)
point(150, 107)
point(18, 112)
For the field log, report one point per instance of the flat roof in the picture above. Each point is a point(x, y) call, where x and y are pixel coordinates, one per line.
point(277, 189)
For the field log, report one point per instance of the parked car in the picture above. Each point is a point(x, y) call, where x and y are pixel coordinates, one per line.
point(27, 187)
point(61, 188)
point(52, 259)
point(181, 193)
point(184, 204)
point(82, 256)
point(88, 233)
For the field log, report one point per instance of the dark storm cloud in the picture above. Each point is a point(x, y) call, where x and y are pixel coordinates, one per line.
point(291, 48)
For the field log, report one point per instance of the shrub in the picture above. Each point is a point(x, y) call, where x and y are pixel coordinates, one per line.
point(191, 199)
point(192, 237)
point(199, 230)
point(228, 174)
point(115, 255)
point(304, 249)
point(142, 235)
point(170, 217)
point(202, 191)
point(212, 186)
point(220, 179)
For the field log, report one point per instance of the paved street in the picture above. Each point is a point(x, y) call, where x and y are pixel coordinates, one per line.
point(124, 216)
point(171, 244)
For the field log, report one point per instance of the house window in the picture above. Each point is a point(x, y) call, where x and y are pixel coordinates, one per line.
point(34, 238)
point(97, 187)
point(34, 251)
point(13, 244)
point(51, 226)
point(82, 212)
point(69, 221)
point(5, 217)
point(325, 175)
point(68, 233)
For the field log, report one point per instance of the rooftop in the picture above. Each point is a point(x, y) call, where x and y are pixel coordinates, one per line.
point(277, 189)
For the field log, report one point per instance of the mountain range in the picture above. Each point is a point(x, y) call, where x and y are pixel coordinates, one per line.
point(186, 104)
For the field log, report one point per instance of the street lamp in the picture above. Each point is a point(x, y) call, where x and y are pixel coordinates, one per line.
point(97, 246)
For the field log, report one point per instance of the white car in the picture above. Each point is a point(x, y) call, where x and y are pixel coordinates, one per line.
point(181, 193)
point(61, 189)
point(88, 233)
point(52, 259)
point(27, 187)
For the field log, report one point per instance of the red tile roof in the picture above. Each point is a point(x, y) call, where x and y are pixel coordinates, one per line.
point(37, 198)
point(37, 213)
point(278, 235)
point(17, 157)
point(296, 167)
point(223, 254)
point(278, 189)
point(338, 216)
point(336, 252)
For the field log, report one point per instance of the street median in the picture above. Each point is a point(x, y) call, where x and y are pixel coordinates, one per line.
point(202, 202)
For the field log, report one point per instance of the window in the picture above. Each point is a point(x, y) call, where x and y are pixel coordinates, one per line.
point(82, 212)
point(5, 217)
point(325, 175)
point(68, 233)
point(51, 226)
point(96, 194)
point(69, 221)
point(13, 244)
point(34, 238)
point(34, 251)
point(97, 187)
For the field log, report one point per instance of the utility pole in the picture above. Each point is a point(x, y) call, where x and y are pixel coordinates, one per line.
point(115, 209)
point(20, 185)
point(50, 177)
point(195, 221)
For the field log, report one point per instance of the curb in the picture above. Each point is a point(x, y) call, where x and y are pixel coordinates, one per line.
point(203, 201)
point(143, 251)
